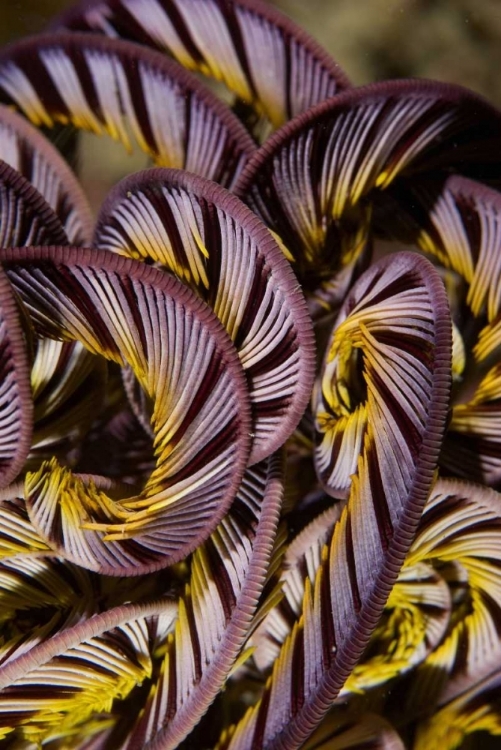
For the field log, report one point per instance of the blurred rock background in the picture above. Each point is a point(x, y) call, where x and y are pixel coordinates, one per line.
point(450, 40)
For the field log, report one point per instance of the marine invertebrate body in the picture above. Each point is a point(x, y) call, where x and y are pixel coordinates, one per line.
point(249, 415)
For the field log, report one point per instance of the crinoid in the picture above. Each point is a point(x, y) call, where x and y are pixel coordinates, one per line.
point(250, 415)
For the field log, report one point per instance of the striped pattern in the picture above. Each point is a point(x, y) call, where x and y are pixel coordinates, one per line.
point(213, 243)
point(25, 217)
point(360, 732)
point(313, 182)
point(227, 576)
point(476, 710)
point(459, 223)
point(34, 157)
point(301, 560)
point(16, 405)
point(68, 385)
point(80, 661)
point(61, 682)
point(48, 593)
point(460, 534)
point(17, 534)
point(472, 447)
point(414, 621)
point(138, 316)
point(263, 57)
point(375, 372)
point(118, 88)
point(394, 473)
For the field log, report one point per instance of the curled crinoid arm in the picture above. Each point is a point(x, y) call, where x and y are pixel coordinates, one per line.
point(300, 561)
point(414, 622)
point(27, 151)
point(25, 216)
point(216, 611)
point(65, 683)
point(123, 89)
point(164, 572)
point(312, 182)
point(184, 666)
point(271, 64)
point(17, 533)
point(136, 315)
point(406, 364)
point(82, 659)
point(16, 403)
point(472, 446)
point(41, 595)
point(459, 534)
point(60, 371)
point(212, 242)
point(475, 710)
point(457, 221)
point(379, 350)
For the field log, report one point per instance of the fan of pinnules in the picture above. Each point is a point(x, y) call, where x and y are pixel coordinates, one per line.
point(250, 413)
